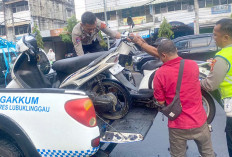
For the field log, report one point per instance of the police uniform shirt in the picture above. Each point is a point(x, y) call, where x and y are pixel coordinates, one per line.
point(79, 37)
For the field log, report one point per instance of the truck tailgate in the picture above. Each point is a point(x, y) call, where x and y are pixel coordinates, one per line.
point(131, 128)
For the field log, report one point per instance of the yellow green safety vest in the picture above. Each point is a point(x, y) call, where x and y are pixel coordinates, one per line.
point(226, 84)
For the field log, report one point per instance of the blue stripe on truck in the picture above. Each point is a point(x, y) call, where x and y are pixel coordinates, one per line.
point(65, 153)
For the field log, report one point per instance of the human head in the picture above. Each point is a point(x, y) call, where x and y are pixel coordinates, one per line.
point(223, 32)
point(167, 50)
point(158, 41)
point(88, 22)
point(50, 50)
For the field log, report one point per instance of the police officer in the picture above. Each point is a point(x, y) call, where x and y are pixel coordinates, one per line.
point(85, 35)
point(221, 72)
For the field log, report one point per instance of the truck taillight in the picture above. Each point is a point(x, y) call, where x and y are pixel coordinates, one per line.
point(82, 110)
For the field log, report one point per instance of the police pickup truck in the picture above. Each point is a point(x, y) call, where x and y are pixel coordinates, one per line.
point(60, 122)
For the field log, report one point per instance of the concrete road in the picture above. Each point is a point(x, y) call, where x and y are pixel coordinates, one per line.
point(156, 142)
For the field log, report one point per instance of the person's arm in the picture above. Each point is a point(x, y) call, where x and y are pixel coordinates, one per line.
point(104, 28)
point(76, 39)
point(145, 46)
point(216, 76)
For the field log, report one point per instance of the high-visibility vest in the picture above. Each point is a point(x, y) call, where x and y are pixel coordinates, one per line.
point(226, 84)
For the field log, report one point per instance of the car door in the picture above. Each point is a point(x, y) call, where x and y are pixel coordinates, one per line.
point(202, 48)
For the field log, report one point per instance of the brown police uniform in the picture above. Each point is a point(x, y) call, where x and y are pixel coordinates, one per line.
point(82, 39)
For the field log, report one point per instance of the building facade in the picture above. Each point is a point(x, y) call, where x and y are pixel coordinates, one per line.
point(150, 13)
point(18, 17)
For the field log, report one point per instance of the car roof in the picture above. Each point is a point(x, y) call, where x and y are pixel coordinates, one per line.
point(193, 36)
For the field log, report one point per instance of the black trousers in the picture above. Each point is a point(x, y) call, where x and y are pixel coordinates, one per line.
point(94, 47)
point(228, 131)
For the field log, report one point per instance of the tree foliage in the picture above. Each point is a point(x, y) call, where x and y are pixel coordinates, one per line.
point(39, 38)
point(165, 29)
point(66, 36)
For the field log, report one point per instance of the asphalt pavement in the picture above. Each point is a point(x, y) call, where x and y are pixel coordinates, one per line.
point(156, 142)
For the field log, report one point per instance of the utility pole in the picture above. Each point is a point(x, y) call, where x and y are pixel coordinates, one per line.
point(196, 21)
point(105, 10)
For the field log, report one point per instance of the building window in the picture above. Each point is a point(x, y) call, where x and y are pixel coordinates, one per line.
point(163, 8)
point(171, 6)
point(184, 6)
point(215, 2)
point(20, 6)
point(178, 6)
point(201, 3)
point(1, 7)
point(100, 16)
point(126, 13)
point(68, 13)
point(223, 2)
point(2, 30)
point(157, 9)
point(209, 3)
point(111, 15)
point(229, 1)
point(22, 29)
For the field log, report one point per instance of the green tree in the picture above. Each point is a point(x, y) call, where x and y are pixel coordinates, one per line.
point(165, 29)
point(39, 38)
point(66, 36)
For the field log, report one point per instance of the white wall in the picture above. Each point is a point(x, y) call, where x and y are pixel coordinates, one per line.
point(22, 17)
point(2, 18)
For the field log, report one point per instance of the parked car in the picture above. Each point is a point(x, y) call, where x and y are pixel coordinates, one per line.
point(196, 47)
point(179, 29)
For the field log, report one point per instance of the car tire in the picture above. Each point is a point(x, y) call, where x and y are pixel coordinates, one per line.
point(8, 149)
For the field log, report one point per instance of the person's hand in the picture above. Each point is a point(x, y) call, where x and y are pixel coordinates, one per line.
point(136, 39)
point(211, 62)
point(118, 35)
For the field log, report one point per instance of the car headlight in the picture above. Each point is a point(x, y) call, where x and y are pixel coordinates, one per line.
point(136, 58)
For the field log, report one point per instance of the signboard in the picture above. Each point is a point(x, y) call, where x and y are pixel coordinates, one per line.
point(143, 34)
point(137, 20)
point(220, 9)
point(56, 32)
point(45, 33)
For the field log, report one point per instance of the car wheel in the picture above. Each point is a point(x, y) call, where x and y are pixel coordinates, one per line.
point(8, 149)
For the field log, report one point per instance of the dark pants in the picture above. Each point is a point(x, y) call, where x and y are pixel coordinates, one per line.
point(229, 134)
point(94, 47)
